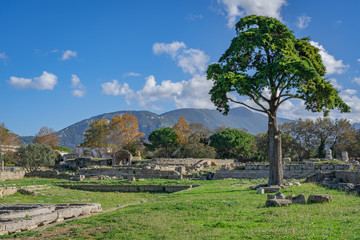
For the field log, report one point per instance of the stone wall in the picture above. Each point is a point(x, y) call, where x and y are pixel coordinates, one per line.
point(254, 174)
point(54, 174)
point(129, 188)
point(190, 161)
point(11, 175)
point(87, 162)
point(302, 166)
point(123, 172)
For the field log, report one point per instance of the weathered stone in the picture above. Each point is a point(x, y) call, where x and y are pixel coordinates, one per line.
point(271, 189)
point(299, 199)
point(319, 198)
point(279, 195)
point(288, 184)
point(297, 184)
point(260, 191)
point(27, 192)
point(278, 202)
point(328, 155)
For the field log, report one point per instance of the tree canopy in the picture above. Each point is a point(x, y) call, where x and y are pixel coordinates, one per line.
point(47, 136)
point(269, 65)
point(164, 138)
point(232, 143)
point(36, 155)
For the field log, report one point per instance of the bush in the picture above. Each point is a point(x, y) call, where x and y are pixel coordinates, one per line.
point(36, 155)
point(64, 149)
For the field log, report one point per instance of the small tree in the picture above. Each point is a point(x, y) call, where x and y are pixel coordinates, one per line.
point(36, 155)
point(268, 64)
point(47, 136)
point(233, 143)
point(182, 131)
point(98, 134)
point(164, 138)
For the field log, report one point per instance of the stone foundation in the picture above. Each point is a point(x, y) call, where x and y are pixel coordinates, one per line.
point(21, 217)
point(130, 188)
point(7, 175)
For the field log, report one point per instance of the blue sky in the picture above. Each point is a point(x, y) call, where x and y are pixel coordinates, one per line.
point(64, 61)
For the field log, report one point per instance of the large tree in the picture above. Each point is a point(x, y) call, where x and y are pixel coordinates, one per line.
point(269, 65)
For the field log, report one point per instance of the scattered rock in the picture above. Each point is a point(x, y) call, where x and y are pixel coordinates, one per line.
point(260, 191)
point(297, 184)
point(288, 184)
point(299, 199)
point(27, 192)
point(319, 198)
point(278, 203)
point(279, 195)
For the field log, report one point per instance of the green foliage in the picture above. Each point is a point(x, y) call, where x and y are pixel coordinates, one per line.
point(64, 149)
point(233, 143)
point(36, 155)
point(164, 138)
point(265, 55)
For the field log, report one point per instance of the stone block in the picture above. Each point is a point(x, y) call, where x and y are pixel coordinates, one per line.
point(319, 198)
point(271, 189)
point(297, 184)
point(299, 199)
point(270, 196)
point(260, 191)
point(278, 203)
point(279, 195)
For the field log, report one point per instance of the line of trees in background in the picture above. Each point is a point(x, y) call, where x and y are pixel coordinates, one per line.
point(301, 139)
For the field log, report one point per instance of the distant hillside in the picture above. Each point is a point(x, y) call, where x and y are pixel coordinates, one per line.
point(148, 122)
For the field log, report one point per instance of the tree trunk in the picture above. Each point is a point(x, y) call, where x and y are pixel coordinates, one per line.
point(274, 152)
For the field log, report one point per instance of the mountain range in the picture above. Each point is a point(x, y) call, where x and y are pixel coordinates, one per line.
point(240, 117)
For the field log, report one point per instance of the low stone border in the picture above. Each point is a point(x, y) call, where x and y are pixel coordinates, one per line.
point(129, 188)
point(15, 218)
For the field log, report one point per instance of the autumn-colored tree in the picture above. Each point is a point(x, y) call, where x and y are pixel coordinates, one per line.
point(182, 130)
point(98, 134)
point(47, 136)
point(7, 137)
point(124, 131)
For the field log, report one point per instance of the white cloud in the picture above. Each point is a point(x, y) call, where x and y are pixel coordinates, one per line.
point(172, 48)
point(68, 54)
point(46, 81)
point(132, 74)
point(303, 21)
point(191, 60)
point(332, 65)
point(80, 90)
point(3, 57)
point(358, 59)
point(240, 8)
point(78, 93)
point(357, 80)
point(193, 92)
point(193, 17)
point(115, 89)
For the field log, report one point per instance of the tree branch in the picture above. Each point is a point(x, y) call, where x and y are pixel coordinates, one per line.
point(255, 109)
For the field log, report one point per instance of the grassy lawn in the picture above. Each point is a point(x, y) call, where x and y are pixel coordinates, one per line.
point(224, 209)
point(54, 194)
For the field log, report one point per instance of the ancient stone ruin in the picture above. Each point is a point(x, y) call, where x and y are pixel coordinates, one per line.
point(122, 157)
point(15, 218)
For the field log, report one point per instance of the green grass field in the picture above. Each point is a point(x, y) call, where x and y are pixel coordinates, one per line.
point(225, 209)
